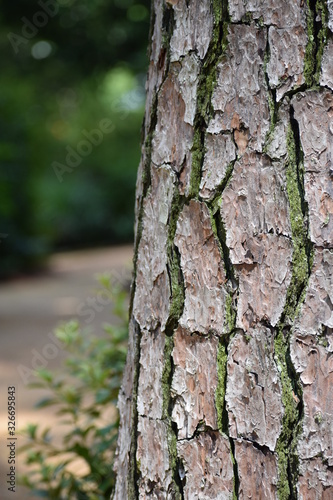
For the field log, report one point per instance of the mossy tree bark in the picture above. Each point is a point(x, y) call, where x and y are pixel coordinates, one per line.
point(228, 387)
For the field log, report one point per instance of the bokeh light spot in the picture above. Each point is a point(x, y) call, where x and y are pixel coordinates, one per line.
point(41, 50)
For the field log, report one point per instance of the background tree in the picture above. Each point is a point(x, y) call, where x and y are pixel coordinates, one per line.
point(62, 73)
point(228, 389)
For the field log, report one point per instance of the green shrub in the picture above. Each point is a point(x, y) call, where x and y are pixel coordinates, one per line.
point(84, 396)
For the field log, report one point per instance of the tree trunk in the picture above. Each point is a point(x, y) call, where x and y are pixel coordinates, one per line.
point(228, 388)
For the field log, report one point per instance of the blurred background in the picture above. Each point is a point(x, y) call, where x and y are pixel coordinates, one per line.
point(66, 65)
point(71, 106)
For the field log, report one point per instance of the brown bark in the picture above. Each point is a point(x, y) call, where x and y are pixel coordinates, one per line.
point(228, 387)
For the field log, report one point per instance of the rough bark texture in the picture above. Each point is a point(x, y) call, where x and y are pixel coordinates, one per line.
point(228, 387)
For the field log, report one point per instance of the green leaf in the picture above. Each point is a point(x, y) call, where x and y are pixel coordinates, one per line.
point(45, 375)
point(42, 403)
point(91, 377)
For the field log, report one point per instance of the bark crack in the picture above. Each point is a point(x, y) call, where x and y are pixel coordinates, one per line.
point(177, 299)
point(133, 470)
point(230, 322)
point(292, 397)
point(175, 273)
point(167, 375)
point(317, 30)
point(220, 234)
point(206, 85)
point(221, 406)
point(261, 447)
point(272, 102)
point(299, 219)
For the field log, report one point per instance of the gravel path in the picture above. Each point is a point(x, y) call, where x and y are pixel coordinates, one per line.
point(30, 308)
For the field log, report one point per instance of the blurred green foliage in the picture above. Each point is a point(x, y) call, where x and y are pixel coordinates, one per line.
point(84, 397)
point(62, 74)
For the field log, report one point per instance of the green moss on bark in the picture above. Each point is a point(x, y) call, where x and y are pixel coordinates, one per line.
point(167, 376)
point(133, 471)
point(177, 289)
point(166, 416)
point(309, 59)
point(230, 314)
point(174, 267)
point(301, 265)
point(301, 261)
point(317, 31)
point(198, 152)
point(286, 447)
point(322, 13)
point(206, 86)
point(222, 359)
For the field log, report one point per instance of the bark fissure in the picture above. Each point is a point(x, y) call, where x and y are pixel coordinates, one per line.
point(299, 219)
point(177, 289)
point(272, 102)
point(230, 324)
point(133, 470)
point(176, 278)
point(317, 30)
point(230, 319)
point(220, 233)
point(214, 204)
point(200, 428)
point(168, 24)
point(176, 309)
point(292, 396)
point(286, 447)
point(167, 375)
point(221, 406)
point(235, 467)
point(264, 449)
point(206, 85)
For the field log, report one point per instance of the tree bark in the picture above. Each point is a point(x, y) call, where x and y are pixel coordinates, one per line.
point(228, 387)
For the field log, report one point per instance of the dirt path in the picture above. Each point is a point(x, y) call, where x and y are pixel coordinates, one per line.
point(30, 308)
